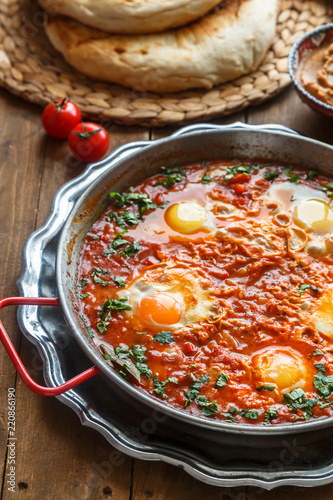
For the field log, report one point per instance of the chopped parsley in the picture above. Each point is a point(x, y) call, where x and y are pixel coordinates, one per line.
point(170, 177)
point(323, 383)
point(296, 399)
point(88, 328)
point(160, 386)
point(131, 250)
point(305, 286)
point(270, 414)
point(138, 354)
point(231, 413)
point(126, 218)
point(252, 414)
point(294, 178)
point(142, 200)
point(193, 393)
point(113, 305)
point(317, 352)
point(206, 179)
point(221, 381)
point(327, 188)
point(96, 275)
point(82, 283)
point(118, 281)
point(241, 169)
point(163, 337)
point(103, 324)
point(81, 295)
point(208, 408)
point(266, 388)
point(118, 241)
point(122, 352)
point(271, 175)
point(311, 174)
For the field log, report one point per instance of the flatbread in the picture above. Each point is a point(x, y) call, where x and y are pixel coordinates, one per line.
point(230, 42)
point(131, 16)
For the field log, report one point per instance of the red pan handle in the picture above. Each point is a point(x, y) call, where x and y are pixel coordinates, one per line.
point(38, 389)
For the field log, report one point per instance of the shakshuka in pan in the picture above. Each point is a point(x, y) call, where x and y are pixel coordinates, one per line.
point(211, 288)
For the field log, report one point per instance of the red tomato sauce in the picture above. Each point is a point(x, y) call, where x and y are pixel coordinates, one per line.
point(220, 321)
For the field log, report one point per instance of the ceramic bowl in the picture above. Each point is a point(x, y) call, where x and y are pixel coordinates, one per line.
point(313, 40)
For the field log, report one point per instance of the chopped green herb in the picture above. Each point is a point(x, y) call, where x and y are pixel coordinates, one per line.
point(122, 352)
point(266, 388)
point(252, 414)
point(97, 271)
point(195, 389)
point(270, 414)
point(318, 353)
point(323, 383)
point(131, 250)
point(271, 175)
point(311, 175)
point(296, 399)
point(320, 367)
point(241, 169)
point(221, 381)
point(163, 337)
point(81, 295)
point(82, 283)
point(160, 386)
point(117, 242)
point(118, 281)
point(144, 370)
point(115, 305)
point(96, 275)
point(126, 218)
point(88, 328)
point(206, 179)
point(142, 200)
point(171, 176)
point(303, 287)
point(138, 353)
point(231, 413)
point(208, 408)
point(102, 325)
point(124, 374)
point(294, 178)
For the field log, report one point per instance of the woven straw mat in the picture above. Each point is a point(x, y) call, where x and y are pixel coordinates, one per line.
point(33, 70)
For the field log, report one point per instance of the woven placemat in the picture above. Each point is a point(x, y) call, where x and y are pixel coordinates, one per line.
point(33, 70)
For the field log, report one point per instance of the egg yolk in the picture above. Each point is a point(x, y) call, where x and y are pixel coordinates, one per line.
point(279, 368)
point(160, 308)
point(322, 318)
point(314, 215)
point(185, 217)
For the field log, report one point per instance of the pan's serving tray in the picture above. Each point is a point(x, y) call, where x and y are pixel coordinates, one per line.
point(130, 426)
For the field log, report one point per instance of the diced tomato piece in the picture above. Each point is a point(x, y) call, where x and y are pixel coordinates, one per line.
point(239, 188)
point(189, 348)
point(239, 179)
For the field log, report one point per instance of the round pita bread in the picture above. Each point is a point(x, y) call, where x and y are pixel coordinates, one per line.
point(228, 43)
point(131, 16)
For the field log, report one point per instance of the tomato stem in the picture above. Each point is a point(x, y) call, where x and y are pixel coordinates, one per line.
point(60, 105)
point(85, 135)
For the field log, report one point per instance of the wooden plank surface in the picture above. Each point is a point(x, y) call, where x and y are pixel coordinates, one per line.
point(56, 457)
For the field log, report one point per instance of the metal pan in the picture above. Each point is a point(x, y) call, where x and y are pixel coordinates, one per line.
point(203, 142)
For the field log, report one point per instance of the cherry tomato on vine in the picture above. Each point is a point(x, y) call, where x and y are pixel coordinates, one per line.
point(60, 117)
point(88, 142)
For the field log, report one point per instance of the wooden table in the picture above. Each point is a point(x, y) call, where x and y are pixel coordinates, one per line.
point(56, 457)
